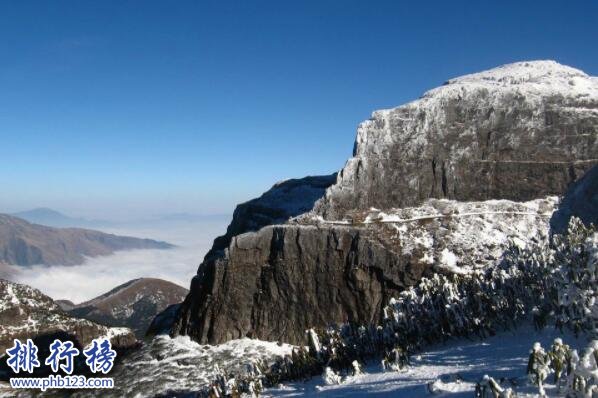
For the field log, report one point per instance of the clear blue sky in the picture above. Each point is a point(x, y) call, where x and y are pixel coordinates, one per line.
point(126, 108)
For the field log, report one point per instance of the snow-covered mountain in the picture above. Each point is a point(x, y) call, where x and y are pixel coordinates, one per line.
point(443, 183)
point(438, 229)
point(133, 304)
point(25, 313)
point(519, 132)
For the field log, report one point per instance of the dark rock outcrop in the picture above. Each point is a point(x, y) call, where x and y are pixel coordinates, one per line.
point(581, 201)
point(283, 279)
point(284, 200)
point(277, 282)
point(162, 322)
point(23, 243)
point(519, 132)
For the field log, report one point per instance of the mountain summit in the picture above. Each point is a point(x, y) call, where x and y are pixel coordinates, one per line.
point(443, 184)
point(477, 137)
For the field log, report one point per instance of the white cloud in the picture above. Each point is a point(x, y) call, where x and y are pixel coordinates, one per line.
point(100, 274)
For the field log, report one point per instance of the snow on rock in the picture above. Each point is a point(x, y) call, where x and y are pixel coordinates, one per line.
point(286, 265)
point(518, 132)
point(459, 169)
point(25, 313)
point(286, 199)
point(456, 236)
point(439, 386)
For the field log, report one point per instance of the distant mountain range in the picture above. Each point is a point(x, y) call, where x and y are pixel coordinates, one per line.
point(133, 304)
point(24, 243)
point(53, 218)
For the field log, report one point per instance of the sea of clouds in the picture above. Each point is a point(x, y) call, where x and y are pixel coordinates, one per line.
point(100, 274)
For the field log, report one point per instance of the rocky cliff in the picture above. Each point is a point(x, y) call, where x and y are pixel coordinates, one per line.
point(517, 133)
point(284, 200)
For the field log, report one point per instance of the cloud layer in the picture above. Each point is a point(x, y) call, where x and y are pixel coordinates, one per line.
point(100, 274)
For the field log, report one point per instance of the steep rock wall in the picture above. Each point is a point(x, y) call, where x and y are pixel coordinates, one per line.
point(518, 132)
point(277, 282)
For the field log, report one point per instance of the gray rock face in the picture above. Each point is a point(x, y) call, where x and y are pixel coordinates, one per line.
point(581, 201)
point(275, 283)
point(518, 132)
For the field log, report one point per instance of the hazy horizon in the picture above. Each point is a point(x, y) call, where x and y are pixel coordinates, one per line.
point(128, 219)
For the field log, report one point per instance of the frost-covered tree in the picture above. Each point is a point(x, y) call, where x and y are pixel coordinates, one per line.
point(331, 377)
point(538, 367)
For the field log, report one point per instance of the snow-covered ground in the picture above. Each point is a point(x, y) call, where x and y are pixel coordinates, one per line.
point(180, 366)
point(504, 355)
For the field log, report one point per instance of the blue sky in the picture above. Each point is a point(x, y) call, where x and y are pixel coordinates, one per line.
point(132, 108)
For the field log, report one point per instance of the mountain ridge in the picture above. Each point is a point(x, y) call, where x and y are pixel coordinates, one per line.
point(24, 243)
point(132, 304)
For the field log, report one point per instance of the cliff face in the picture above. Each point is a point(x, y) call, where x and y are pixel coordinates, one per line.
point(277, 281)
point(516, 133)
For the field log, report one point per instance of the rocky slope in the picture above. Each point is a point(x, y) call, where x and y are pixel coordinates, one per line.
point(133, 304)
point(517, 133)
point(27, 313)
point(23, 243)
